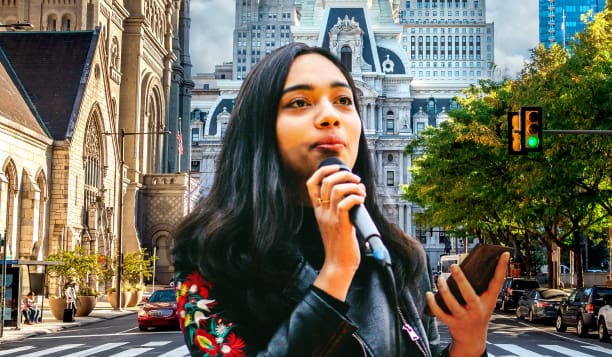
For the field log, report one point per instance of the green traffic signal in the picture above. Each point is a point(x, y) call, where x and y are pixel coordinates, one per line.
point(533, 142)
point(531, 120)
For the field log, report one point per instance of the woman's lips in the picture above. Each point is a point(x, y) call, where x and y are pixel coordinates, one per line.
point(330, 144)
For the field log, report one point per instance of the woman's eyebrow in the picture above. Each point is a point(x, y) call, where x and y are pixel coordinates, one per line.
point(310, 87)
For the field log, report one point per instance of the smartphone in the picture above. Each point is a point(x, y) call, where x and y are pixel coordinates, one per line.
point(478, 267)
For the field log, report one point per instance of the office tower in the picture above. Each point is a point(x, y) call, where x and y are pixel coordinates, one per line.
point(560, 20)
point(260, 27)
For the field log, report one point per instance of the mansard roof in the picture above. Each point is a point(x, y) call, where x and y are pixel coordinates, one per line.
point(359, 16)
point(14, 102)
point(53, 68)
point(373, 53)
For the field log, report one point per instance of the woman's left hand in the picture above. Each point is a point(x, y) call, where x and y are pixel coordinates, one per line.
point(468, 323)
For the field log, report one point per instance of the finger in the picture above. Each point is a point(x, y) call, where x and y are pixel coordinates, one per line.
point(464, 285)
point(436, 310)
point(314, 183)
point(496, 283)
point(453, 305)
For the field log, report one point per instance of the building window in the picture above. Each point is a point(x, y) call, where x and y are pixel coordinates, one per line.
point(195, 165)
point(390, 178)
point(92, 162)
point(346, 57)
point(195, 135)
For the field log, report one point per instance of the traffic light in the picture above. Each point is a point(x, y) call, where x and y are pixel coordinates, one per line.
point(515, 134)
point(531, 120)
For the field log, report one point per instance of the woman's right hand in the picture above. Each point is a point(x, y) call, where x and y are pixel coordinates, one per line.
point(333, 193)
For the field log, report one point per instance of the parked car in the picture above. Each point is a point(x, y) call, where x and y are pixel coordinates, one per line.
point(581, 308)
point(604, 319)
point(159, 310)
point(540, 303)
point(512, 290)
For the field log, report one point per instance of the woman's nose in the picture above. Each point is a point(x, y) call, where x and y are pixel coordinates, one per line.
point(328, 115)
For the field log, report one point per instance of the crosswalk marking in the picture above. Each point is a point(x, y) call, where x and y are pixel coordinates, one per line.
point(14, 350)
point(156, 343)
point(565, 351)
point(129, 349)
point(598, 349)
point(49, 351)
point(181, 351)
point(91, 351)
point(517, 350)
point(131, 352)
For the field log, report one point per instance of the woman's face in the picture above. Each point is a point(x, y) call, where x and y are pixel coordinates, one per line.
point(316, 117)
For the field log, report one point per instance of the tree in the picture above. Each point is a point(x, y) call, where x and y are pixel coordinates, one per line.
point(462, 174)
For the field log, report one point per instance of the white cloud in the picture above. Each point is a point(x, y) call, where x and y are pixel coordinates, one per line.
point(516, 32)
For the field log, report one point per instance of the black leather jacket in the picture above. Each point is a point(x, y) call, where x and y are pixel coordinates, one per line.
point(319, 325)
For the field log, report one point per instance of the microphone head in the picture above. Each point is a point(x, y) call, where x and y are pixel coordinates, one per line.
point(334, 161)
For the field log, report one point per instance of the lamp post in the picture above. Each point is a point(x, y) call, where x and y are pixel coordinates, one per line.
point(19, 26)
point(4, 244)
point(122, 133)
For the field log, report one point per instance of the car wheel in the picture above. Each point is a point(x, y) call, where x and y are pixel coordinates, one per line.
point(559, 325)
point(602, 331)
point(518, 313)
point(531, 317)
point(142, 328)
point(581, 330)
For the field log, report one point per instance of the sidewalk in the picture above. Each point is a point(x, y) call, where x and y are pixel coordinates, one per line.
point(102, 311)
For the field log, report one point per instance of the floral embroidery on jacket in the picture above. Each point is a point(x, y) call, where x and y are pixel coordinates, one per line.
point(204, 330)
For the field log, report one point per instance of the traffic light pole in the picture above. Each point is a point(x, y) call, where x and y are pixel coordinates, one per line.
point(590, 132)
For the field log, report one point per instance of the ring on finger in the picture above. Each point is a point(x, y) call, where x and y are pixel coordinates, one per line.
point(322, 202)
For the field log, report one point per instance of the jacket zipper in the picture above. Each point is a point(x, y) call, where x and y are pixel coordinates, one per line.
point(411, 333)
point(360, 342)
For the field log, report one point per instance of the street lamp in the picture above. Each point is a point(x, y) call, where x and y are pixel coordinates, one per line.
point(4, 244)
point(19, 26)
point(122, 133)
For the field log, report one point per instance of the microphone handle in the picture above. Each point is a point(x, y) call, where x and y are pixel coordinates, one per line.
point(366, 229)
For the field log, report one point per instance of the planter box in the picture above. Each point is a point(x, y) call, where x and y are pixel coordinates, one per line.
point(125, 299)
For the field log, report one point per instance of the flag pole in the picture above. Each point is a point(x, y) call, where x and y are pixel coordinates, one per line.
point(179, 143)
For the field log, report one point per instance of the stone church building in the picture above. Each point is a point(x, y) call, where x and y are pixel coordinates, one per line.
point(90, 104)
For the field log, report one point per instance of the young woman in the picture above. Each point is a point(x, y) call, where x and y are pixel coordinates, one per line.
point(270, 264)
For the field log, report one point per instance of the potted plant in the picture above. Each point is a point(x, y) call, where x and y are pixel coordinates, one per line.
point(76, 266)
point(136, 267)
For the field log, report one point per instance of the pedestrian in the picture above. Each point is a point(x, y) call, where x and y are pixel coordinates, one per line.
point(269, 264)
point(30, 309)
point(71, 297)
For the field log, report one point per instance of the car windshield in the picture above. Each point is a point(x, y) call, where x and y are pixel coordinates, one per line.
point(525, 284)
point(603, 297)
point(551, 293)
point(163, 296)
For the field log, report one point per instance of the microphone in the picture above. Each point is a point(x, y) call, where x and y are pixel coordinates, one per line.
point(366, 229)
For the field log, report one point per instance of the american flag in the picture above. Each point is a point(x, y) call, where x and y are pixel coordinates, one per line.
point(179, 142)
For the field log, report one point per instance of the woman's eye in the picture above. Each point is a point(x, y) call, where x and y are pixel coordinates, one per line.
point(345, 101)
point(298, 103)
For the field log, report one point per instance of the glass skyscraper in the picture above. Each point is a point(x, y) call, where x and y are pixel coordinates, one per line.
point(561, 19)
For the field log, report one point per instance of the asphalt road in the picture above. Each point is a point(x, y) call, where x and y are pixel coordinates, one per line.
point(120, 337)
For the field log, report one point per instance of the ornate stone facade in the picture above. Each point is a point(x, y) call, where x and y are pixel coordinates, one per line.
point(60, 182)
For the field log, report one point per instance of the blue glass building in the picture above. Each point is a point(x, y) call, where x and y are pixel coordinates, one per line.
point(560, 19)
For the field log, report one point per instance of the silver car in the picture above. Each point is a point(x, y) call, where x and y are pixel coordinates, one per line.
point(604, 319)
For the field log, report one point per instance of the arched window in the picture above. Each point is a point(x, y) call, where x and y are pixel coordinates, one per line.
point(431, 106)
point(346, 57)
point(52, 23)
point(92, 162)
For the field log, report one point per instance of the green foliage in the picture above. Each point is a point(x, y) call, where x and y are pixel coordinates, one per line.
point(78, 265)
point(463, 176)
point(136, 266)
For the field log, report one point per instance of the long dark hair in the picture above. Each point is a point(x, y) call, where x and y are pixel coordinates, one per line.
point(239, 235)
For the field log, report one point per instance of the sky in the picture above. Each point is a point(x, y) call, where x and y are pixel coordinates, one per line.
point(516, 33)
